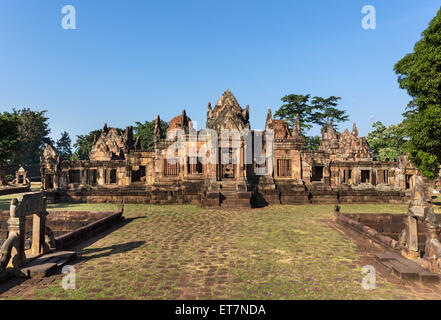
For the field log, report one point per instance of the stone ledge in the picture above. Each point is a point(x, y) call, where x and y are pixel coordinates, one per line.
point(366, 231)
point(86, 232)
point(47, 264)
point(406, 269)
point(11, 190)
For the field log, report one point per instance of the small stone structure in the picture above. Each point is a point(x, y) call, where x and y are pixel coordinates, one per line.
point(20, 177)
point(12, 252)
point(421, 213)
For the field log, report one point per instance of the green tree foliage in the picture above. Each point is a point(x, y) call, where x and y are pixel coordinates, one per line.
point(387, 143)
point(311, 142)
point(293, 105)
point(8, 136)
point(33, 128)
point(64, 146)
point(84, 144)
point(419, 74)
point(327, 112)
point(145, 132)
point(8, 140)
point(316, 111)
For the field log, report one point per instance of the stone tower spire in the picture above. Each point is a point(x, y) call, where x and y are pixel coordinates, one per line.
point(209, 110)
point(269, 118)
point(355, 130)
point(297, 129)
point(184, 118)
point(157, 131)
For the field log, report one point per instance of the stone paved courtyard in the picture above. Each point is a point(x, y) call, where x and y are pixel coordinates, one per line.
point(183, 252)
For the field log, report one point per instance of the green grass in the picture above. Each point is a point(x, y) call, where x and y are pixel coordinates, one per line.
point(93, 207)
point(184, 252)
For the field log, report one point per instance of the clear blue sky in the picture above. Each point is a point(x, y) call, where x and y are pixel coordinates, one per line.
point(130, 60)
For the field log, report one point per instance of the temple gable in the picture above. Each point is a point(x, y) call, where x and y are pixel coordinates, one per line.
point(227, 114)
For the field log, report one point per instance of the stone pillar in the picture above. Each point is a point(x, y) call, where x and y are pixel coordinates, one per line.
point(237, 158)
point(39, 246)
point(412, 238)
point(296, 165)
point(433, 246)
point(326, 176)
point(242, 167)
point(55, 181)
point(374, 176)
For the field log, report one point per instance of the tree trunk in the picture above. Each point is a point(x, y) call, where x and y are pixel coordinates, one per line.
point(3, 181)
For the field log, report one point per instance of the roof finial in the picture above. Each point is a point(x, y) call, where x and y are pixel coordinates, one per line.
point(157, 131)
point(297, 124)
point(209, 110)
point(355, 130)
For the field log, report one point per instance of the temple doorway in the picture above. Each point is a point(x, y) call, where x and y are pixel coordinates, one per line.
point(227, 164)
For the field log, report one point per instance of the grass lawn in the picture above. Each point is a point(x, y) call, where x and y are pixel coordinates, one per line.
point(185, 252)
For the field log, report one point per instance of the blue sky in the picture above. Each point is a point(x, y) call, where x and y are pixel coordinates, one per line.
point(130, 60)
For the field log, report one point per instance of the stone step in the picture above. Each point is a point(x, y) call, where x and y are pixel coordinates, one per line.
point(406, 269)
point(48, 264)
point(234, 205)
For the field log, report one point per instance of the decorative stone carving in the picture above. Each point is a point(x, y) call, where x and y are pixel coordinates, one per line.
point(49, 153)
point(20, 177)
point(112, 145)
point(182, 122)
point(346, 146)
point(227, 114)
point(12, 250)
point(157, 132)
point(420, 210)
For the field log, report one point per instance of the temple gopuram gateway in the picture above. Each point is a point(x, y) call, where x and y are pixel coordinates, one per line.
point(342, 170)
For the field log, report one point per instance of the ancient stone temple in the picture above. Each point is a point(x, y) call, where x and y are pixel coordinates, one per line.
point(223, 166)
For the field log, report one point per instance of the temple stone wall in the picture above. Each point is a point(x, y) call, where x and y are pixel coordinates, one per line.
point(342, 170)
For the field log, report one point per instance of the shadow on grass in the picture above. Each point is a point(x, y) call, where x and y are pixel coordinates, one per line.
point(108, 251)
point(82, 248)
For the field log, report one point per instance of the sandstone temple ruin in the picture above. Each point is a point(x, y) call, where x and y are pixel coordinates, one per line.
point(342, 170)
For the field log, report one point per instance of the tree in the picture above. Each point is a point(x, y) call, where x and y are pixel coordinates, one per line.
point(319, 111)
point(327, 112)
point(8, 140)
point(387, 143)
point(84, 144)
point(145, 133)
point(311, 142)
point(419, 74)
point(33, 128)
point(296, 104)
point(63, 146)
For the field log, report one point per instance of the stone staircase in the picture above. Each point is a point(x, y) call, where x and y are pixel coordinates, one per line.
point(234, 195)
